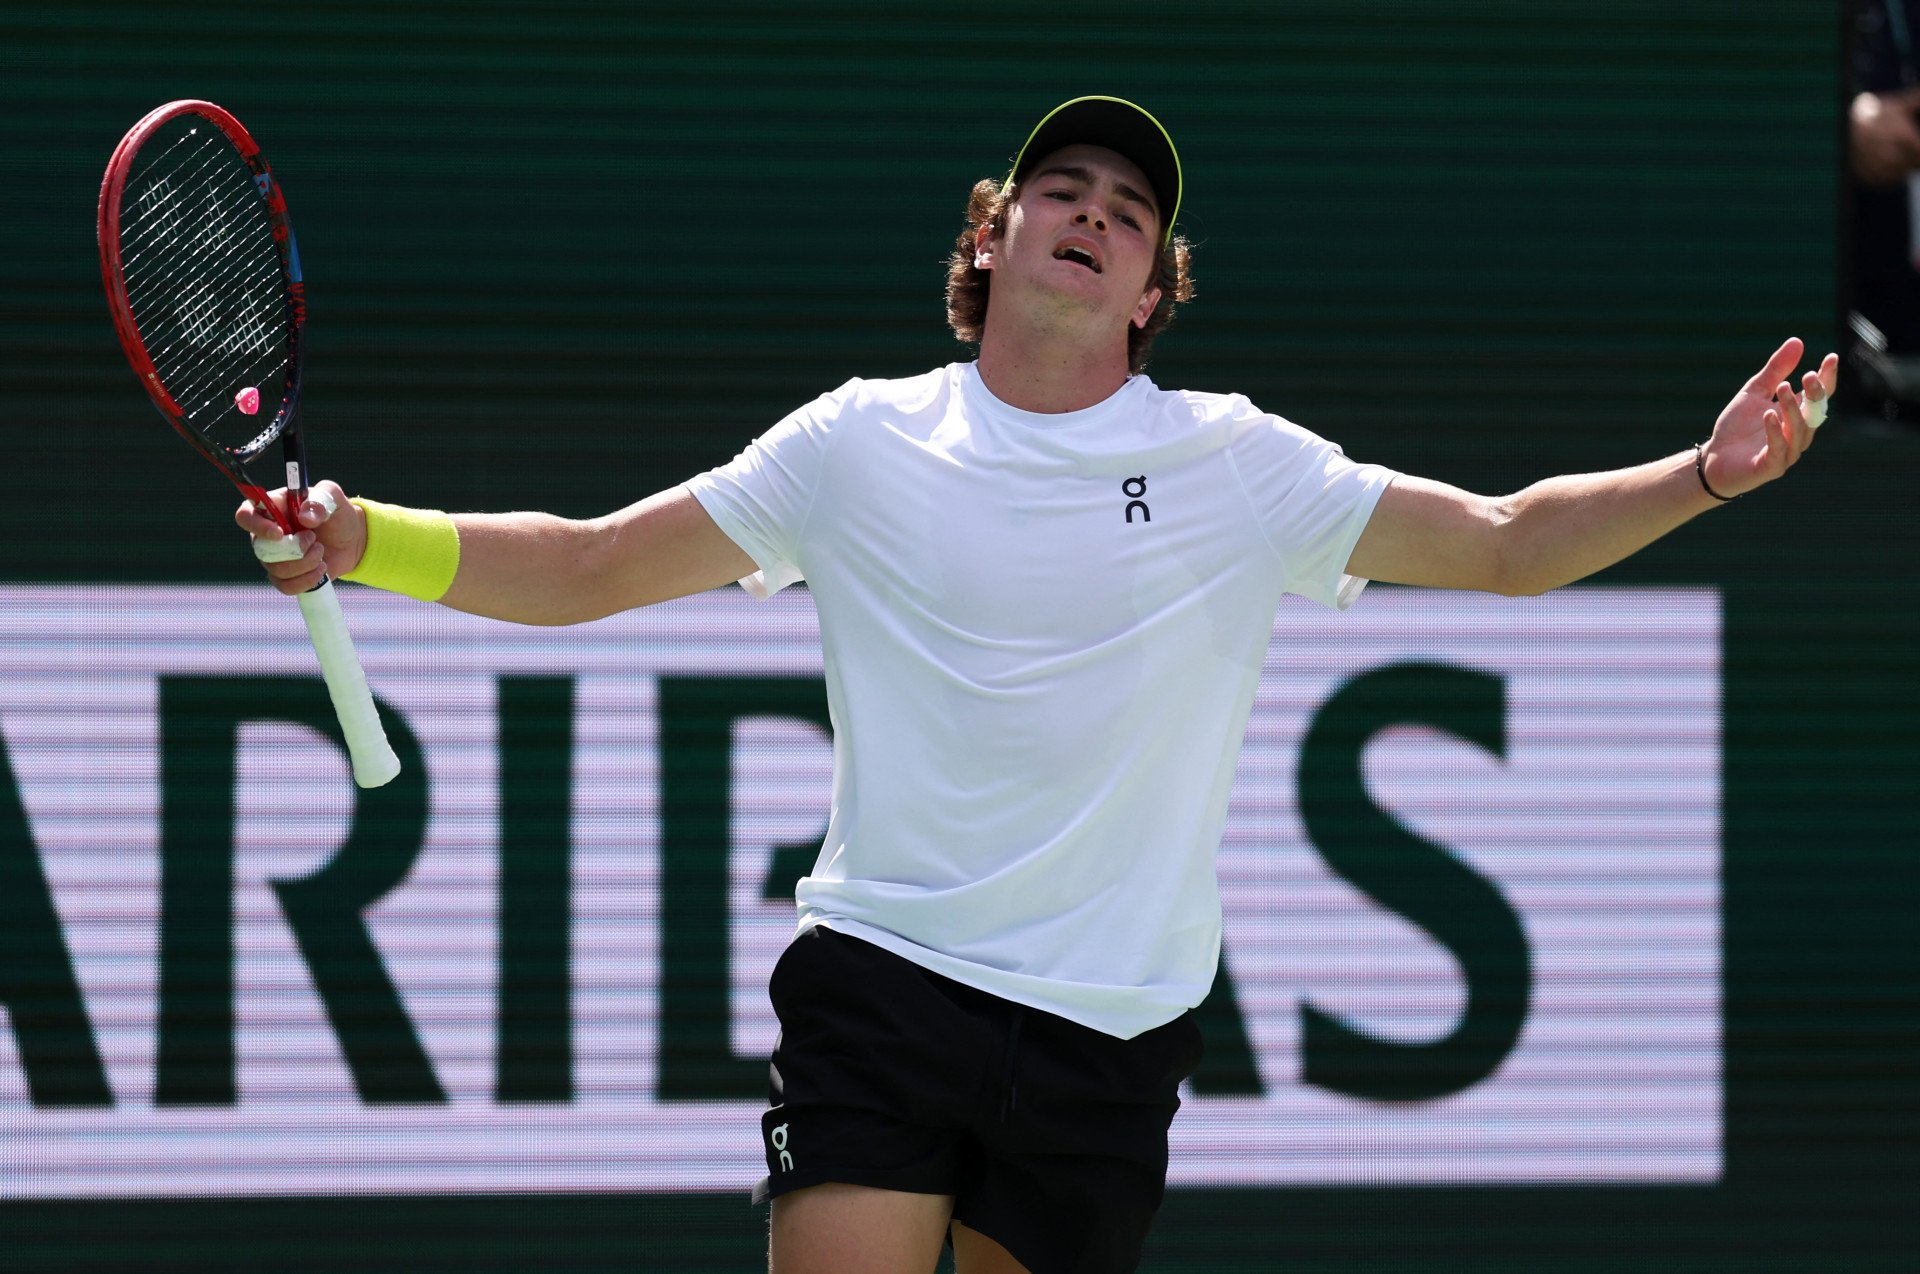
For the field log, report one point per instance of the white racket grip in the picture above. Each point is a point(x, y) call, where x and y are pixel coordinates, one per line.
point(374, 763)
point(373, 760)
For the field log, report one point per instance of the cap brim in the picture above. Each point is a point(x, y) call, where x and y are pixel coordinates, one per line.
point(1119, 126)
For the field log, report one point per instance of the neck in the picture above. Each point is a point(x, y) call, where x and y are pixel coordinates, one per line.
point(1050, 371)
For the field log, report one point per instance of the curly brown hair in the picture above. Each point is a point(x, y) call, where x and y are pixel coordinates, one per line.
point(968, 285)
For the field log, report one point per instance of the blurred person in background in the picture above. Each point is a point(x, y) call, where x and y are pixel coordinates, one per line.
point(1882, 281)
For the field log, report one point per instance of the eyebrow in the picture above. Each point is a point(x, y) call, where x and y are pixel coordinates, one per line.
point(1085, 177)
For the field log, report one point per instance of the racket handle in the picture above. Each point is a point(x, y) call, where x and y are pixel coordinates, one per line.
point(373, 760)
point(346, 682)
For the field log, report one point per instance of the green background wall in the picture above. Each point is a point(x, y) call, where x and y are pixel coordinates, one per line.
point(562, 255)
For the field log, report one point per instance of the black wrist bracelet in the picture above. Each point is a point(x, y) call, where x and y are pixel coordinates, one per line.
point(1700, 469)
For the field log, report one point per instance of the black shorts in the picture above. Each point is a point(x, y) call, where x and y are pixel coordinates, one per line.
point(1051, 1136)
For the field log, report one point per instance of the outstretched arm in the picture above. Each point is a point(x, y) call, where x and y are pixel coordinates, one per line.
point(534, 568)
point(1566, 528)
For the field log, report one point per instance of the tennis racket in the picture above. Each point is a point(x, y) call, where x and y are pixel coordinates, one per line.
point(203, 278)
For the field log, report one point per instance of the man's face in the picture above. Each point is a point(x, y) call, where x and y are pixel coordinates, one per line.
point(1084, 234)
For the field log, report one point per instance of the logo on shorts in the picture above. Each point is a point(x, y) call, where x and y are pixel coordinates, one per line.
point(779, 1139)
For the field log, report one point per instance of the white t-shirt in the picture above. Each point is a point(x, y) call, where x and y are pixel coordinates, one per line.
point(1042, 638)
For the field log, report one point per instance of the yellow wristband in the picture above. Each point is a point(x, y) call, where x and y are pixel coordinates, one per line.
point(410, 551)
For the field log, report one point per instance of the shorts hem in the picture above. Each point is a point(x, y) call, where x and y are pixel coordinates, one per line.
point(770, 1188)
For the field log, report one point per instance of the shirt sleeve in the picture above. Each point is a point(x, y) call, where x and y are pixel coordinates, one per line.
point(762, 497)
point(1312, 502)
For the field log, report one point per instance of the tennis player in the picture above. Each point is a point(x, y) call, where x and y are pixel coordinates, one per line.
point(1046, 587)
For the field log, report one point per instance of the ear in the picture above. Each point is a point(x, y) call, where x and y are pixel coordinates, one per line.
point(1144, 311)
point(986, 245)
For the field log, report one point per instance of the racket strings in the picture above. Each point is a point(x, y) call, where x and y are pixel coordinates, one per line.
point(219, 310)
point(205, 283)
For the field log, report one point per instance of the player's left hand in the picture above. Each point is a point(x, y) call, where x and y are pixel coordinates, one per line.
point(1766, 427)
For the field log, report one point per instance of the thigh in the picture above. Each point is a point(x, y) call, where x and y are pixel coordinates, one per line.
point(847, 1229)
point(975, 1253)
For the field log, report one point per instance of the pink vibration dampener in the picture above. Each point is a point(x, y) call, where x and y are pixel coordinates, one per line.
point(248, 400)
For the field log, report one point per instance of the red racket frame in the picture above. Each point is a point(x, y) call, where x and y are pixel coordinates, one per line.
point(285, 423)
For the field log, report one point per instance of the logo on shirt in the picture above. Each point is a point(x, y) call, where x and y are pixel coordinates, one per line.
point(1135, 489)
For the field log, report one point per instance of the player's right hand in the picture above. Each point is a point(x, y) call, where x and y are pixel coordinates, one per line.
point(334, 538)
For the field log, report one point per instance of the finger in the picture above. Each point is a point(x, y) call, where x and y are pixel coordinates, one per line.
point(318, 508)
point(300, 573)
point(284, 548)
point(293, 568)
point(1830, 373)
point(264, 522)
point(275, 508)
point(1776, 441)
point(304, 582)
point(1779, 367)
point(1795, 422)
point(1813, 405)
point(255, 523)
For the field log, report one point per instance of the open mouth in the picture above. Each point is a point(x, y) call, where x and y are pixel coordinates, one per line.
point(1079, 256)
